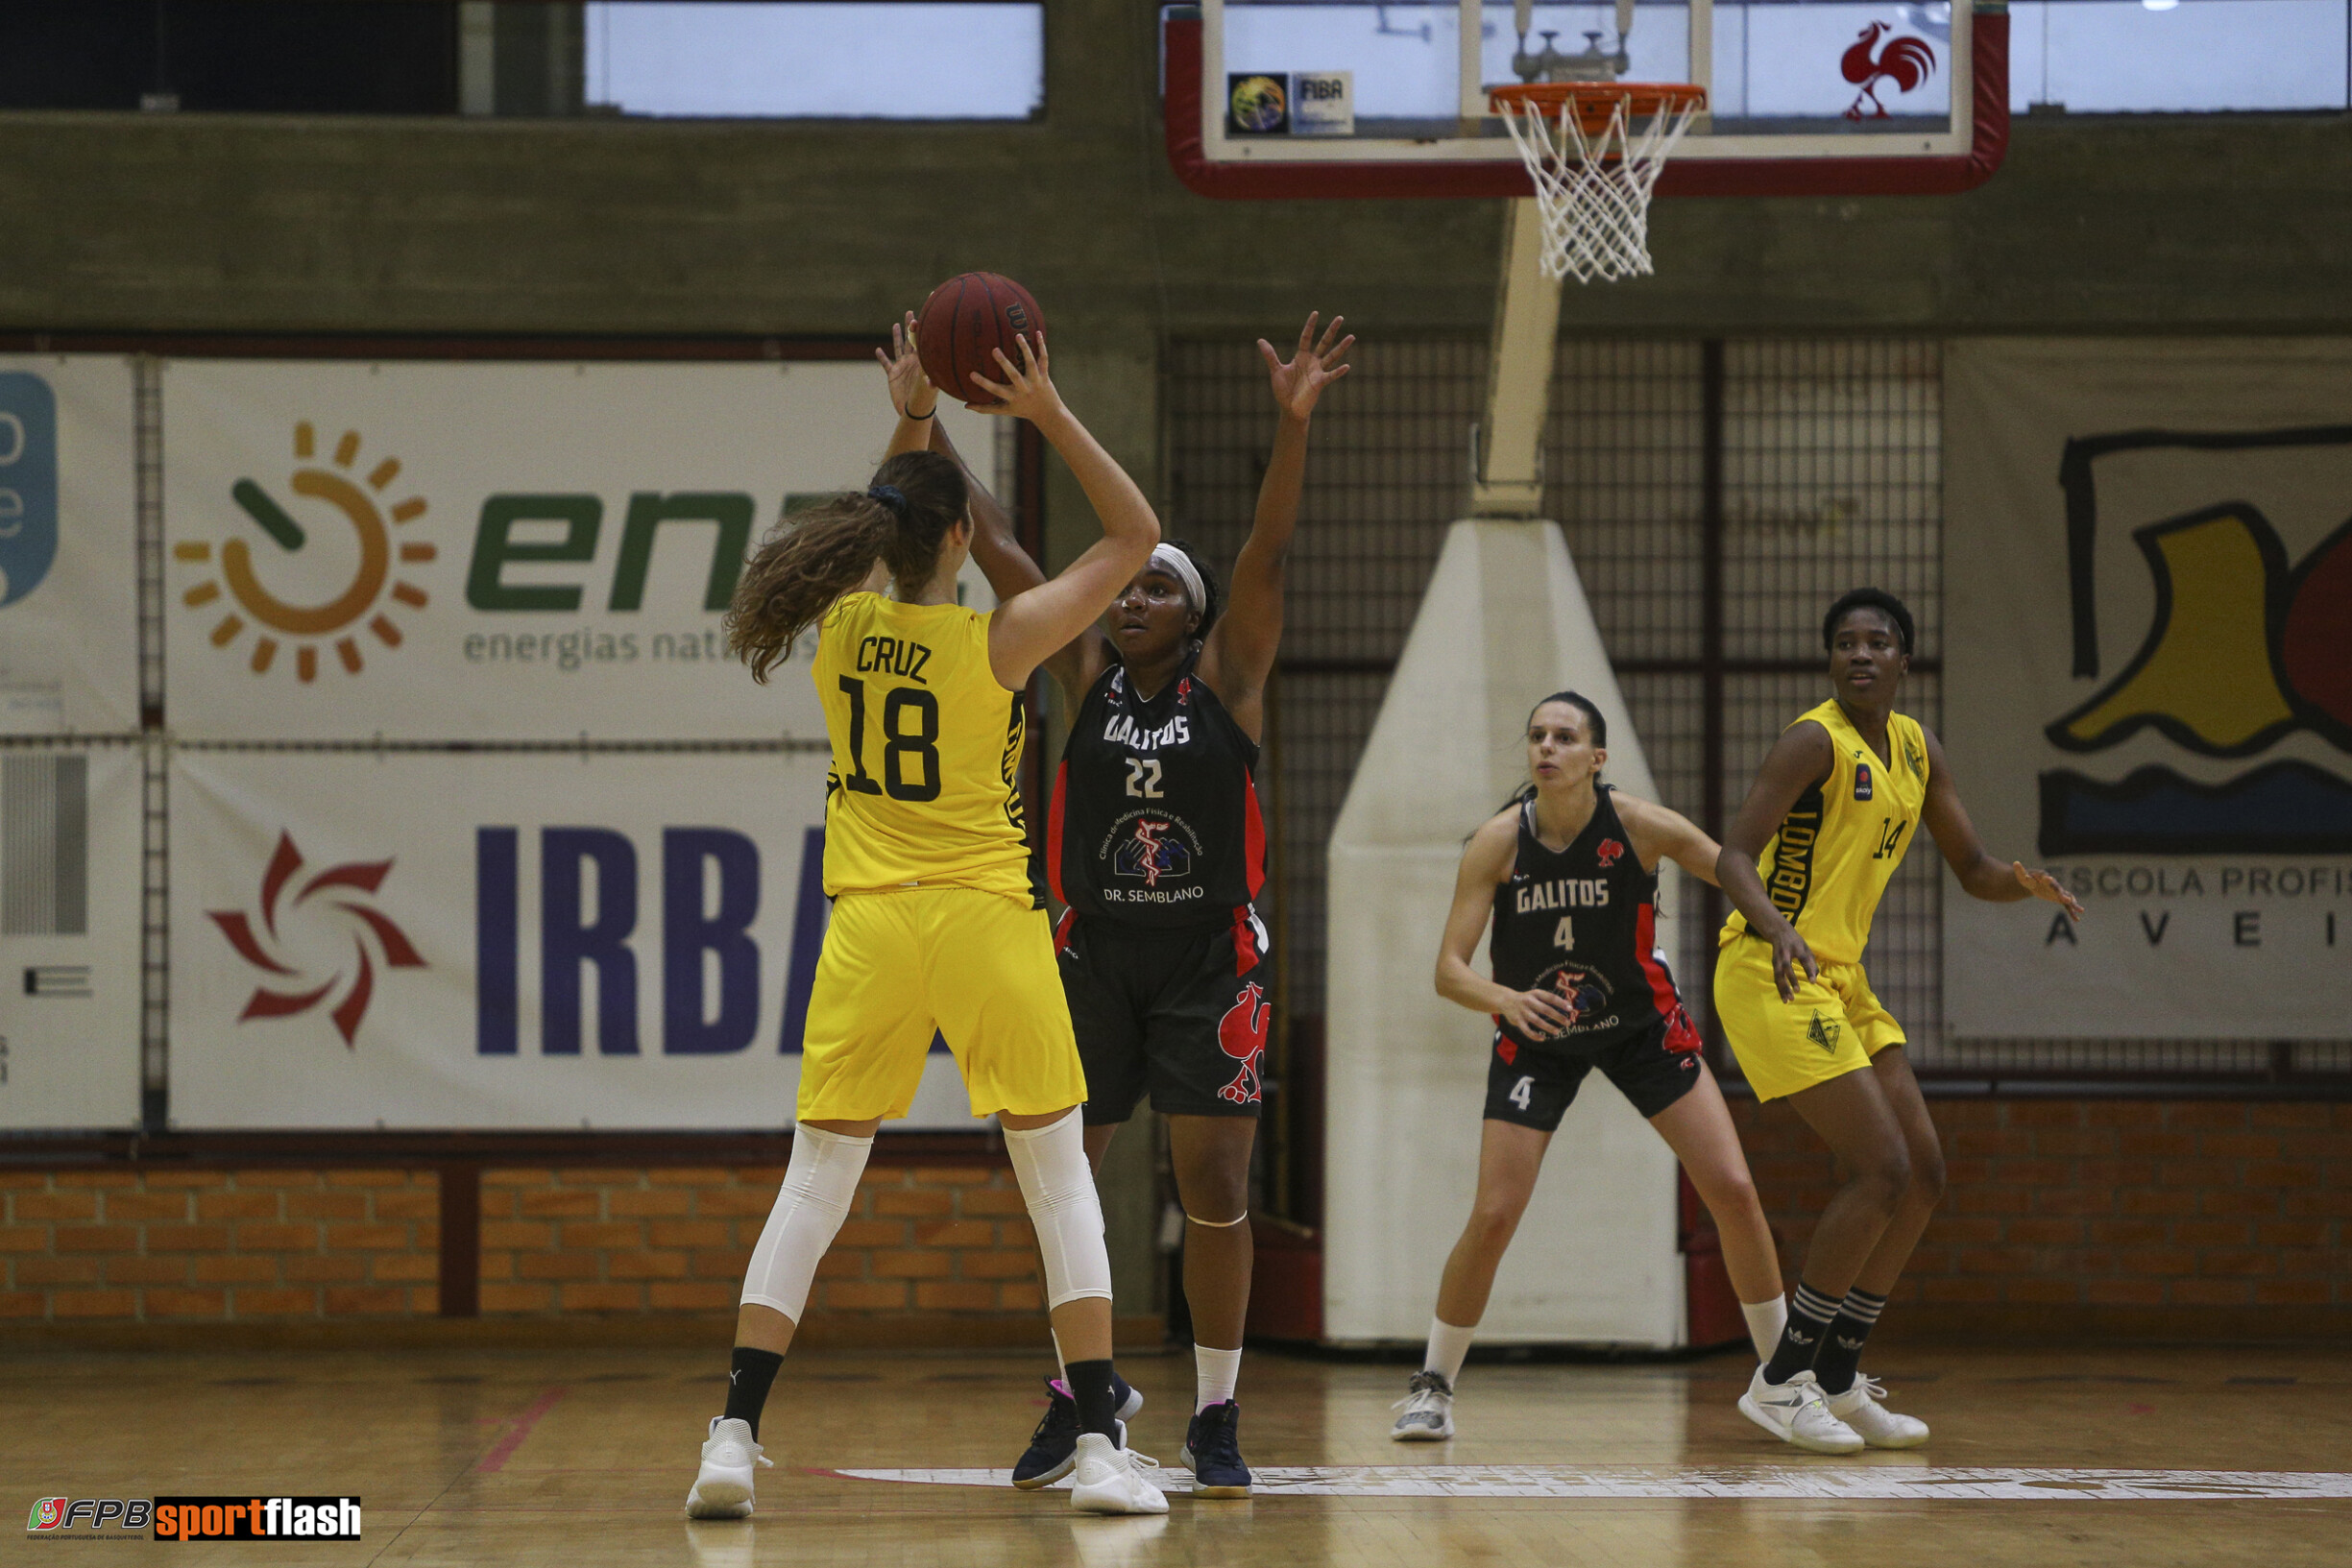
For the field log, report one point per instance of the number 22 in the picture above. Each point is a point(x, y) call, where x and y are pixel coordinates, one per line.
point(1143, 778)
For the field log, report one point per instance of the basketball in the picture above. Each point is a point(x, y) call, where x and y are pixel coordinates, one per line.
point(963, 324)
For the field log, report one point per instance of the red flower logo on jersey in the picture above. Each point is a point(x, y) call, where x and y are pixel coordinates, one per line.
point(1241, 1034)
point(1610, 850)
point(353, 877)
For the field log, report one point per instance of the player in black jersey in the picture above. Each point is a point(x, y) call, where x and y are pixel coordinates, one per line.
point(1154, 843)
point(1568, 874)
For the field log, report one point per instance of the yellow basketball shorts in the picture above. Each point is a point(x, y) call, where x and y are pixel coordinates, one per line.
point(1835, 1026)
point(975, 966)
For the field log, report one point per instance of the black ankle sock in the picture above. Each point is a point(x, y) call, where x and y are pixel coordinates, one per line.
point(1841, 1348)
point(1098, 1408)
point(1809, 1313)
point(748, 1376)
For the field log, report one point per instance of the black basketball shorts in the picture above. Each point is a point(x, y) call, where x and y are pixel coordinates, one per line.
point(1181, 1015)
point(1533, 1086)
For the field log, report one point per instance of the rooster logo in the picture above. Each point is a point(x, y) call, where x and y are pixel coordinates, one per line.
point(1609, 852)
point(1904, 62)
point(351, 878)
point(1241, 1034)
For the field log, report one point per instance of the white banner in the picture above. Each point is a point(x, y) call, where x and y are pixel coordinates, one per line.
point(2149, 590)
point(69, 637)
point(464, 551)
point(69, 937)
point(497, 940)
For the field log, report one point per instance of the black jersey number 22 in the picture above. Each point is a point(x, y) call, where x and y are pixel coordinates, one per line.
point(921, 743)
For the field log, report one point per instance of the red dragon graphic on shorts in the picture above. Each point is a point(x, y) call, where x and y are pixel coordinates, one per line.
point(1241, 1034)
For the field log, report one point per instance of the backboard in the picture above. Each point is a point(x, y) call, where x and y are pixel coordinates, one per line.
point(1361, 98)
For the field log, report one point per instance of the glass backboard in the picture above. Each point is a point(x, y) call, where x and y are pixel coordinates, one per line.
point(1805, 96)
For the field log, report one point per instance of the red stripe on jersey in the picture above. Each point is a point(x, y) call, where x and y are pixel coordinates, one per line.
point(1061, 931)
point(1253, 837)
point(1053, 832)
point(1245, 942)
point(1645, 949)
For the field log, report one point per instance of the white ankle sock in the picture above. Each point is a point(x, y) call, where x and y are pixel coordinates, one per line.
point(1215, 1372)
point(1765, 1322)
point(1447, 1345)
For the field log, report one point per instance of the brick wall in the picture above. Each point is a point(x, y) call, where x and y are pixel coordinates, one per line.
point(2116, 1212)
point(182, 1246)
point(157, 1245)
point(948, 1239)
point(2088, 1216)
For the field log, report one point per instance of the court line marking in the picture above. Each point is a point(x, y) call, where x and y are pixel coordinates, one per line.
point(1813, 1484)
point(492, 1463)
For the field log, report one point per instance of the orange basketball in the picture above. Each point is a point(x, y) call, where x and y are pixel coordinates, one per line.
point(964, 323)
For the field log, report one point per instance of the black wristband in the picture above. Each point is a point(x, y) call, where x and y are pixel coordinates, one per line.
point(907, 416)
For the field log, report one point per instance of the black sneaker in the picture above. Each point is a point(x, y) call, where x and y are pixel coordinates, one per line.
point(1052, 1447)
point(1213, 1451)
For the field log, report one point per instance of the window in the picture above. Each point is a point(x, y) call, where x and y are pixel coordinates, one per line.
point(904, 59)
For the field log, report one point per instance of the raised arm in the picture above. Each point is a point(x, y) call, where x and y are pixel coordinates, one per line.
point(912, 393)
point(1485, 863)
point(1661, 835)
point(1239, 654)
point(1032, 625)
point(1995, 880)
point(1800, 759)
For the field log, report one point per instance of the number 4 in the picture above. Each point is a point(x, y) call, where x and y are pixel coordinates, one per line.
point(1522, 1093)
point(1563, 935)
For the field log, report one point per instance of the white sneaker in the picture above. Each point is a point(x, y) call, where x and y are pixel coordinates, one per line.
point(1108, 1478)
point(722, 1488)
point(1429, 1410)
point(1880, 1428)
point(1796, 1411)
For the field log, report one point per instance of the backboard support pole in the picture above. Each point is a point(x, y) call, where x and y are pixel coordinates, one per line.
point(1507, 477)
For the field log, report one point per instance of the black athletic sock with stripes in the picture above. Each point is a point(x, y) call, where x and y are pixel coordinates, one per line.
point(749, 1374)
point(1841, 1350)
point(1809, 1313)
point(1090, 1388)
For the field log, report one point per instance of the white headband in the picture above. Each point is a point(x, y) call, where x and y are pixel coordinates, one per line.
point(1177, 564)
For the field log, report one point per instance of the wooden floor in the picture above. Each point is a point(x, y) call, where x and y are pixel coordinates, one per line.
point(580, 1459)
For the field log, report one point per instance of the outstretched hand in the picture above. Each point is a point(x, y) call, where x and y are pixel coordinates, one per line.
point(1028, 388)
point(912, 393)
point(1314, 366)
point(2044, 886)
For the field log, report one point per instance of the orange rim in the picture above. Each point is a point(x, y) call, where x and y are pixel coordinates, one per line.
point(1596, 101)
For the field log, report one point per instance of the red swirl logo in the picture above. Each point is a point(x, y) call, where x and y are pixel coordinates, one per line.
point(346, 887)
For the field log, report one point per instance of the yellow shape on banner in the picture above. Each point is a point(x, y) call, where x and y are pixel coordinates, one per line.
point(2207, 665)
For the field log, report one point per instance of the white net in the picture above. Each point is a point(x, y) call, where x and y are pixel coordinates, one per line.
point(1593, 187)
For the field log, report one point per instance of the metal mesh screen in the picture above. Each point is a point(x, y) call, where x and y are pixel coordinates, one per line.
point(1830, 475)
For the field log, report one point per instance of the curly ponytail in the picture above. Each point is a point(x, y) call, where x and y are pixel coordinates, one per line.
point(807, 563)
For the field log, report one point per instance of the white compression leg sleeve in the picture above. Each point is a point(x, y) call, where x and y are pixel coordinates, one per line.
point(1050, 1163)
point(819, 1186)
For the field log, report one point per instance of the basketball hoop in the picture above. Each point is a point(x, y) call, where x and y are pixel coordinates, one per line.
point(1595, 149)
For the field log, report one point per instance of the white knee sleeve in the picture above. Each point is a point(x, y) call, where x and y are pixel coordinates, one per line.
point(1050, 1163)
point(819, 1186)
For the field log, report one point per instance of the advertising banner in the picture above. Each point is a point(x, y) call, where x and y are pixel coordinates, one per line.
point(468, 551)
point(2149, 590)
point(69, 937)
point(499, 940)
point(69, 635)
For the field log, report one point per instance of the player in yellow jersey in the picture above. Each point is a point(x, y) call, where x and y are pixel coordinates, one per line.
point(935, 924)
point(1833, 810)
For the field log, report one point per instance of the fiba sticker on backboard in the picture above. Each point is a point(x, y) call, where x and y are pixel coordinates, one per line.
point(1324, 104)
point(1258, 105)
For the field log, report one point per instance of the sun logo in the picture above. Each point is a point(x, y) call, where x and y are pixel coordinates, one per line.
point(361, 593)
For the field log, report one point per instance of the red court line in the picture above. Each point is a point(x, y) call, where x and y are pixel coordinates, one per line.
point(504, 1449)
